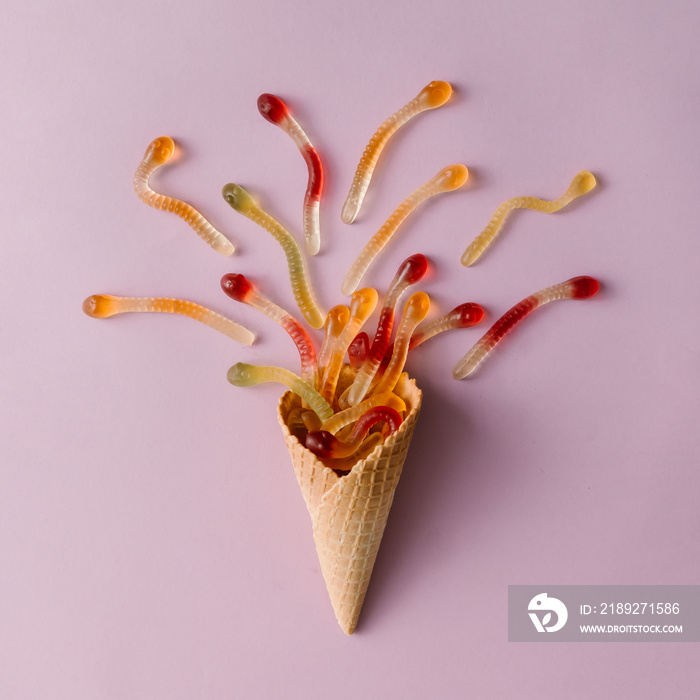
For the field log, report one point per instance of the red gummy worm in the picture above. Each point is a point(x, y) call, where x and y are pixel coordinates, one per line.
point(411, 270)
point(358, 350)
point(575, 288)
point(239, 288)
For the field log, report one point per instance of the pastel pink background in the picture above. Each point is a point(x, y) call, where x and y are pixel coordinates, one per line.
point(153, 540)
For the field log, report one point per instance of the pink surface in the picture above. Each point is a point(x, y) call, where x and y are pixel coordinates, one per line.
point(153, 540)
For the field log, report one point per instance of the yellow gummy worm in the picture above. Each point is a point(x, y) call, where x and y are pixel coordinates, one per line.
point(449, 178)
point(159, 152)
point(414, 312)
point(105, 305)
point(583, 182)
point(432, 95)
point(243, 203)
point(243, 374)
point(362, 305)
point(350, 415)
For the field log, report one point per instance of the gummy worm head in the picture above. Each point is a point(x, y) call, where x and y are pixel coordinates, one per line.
point(337, 318)
point(99, 306)
point(583, 287)
point(583, 182)
point(241, 374)
point(363, 302)
point(236, 286)
point(417, 306)
point(160, 150)
point(466, 315)
point(452, 177)
point(237, 197)
point(435, 94)
point(272, 108)
point(320, 442)
point(413, 269)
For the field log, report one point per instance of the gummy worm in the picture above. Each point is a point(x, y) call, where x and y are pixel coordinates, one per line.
point(105, 305)
point(462, 316)
point(296, 424)
point(241, 289)
point(311, 420)
point(575, 288)
point(449, 178)
point(410, 272)
point(276, 112)
point(583, 182)
point(243, 203)
point(350, 415)
point(243, 374)
point(300, 421)
point(158, 153)
point(361, 307)
point(414, 312)
point(433, 95)
point(324, 444)
point(366, 448)
point(335, 322)
point(358, 350)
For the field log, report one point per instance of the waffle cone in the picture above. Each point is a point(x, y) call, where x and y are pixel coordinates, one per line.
point(349, 513)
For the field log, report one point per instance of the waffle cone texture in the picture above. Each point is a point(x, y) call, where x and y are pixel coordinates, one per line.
point(349, 513)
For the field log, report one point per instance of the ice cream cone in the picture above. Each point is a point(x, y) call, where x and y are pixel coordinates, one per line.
point(349, 513)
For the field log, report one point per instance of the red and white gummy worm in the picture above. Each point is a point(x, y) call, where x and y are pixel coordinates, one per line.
point(575, 288)
point(276, 112)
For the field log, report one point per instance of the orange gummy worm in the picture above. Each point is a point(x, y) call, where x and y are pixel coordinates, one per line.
point(159, 152)
point(433, 95)
point(105, 305)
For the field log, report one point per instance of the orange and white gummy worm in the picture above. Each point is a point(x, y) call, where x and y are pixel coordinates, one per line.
point(433, 95)
point(159, 152)
point(106, 305)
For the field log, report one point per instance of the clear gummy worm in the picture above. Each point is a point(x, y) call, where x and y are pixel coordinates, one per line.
point(159, 152)
point(243, 203)
point(432, 95)
point(581, 184)
point(275, 111)
point(575, 288)
point(243, 374)
point(450, 178)
point(238, 287)
point(105, 305)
